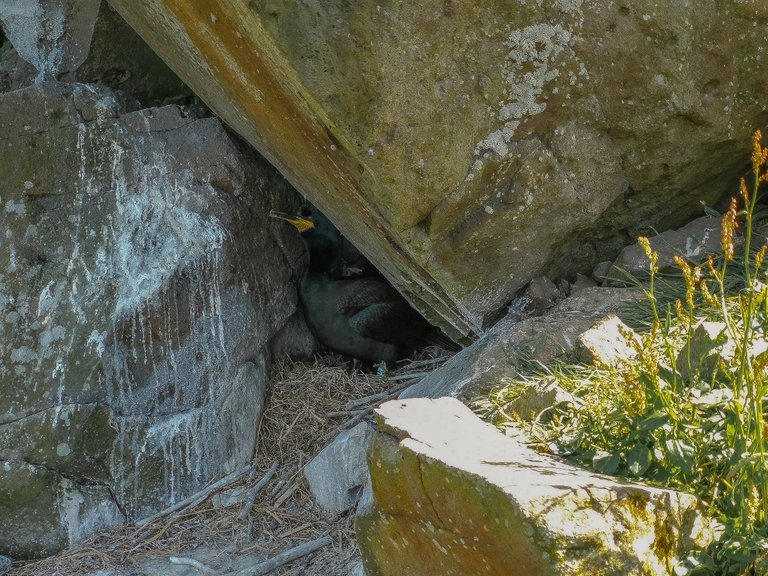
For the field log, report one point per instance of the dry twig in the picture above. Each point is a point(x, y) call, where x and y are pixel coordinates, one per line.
point(191, 562)
point(288, 556)
point(250, 499)
point(197, 498)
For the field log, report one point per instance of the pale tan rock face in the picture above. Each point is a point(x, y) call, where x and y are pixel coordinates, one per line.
point(453, 496)
point(467, 147)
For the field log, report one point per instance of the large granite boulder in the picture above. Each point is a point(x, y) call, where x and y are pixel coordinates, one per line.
point(467, 147)
point(453, 496)
point(140, 284)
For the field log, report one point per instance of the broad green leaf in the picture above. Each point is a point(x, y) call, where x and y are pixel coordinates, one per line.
point(652, 422)
point(679, 454)
point(605, 462)
point(639, 459)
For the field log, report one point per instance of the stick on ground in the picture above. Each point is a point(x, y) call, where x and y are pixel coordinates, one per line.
point(192, 562)
point(197, 498)
point(288, 556)
point(253, 492)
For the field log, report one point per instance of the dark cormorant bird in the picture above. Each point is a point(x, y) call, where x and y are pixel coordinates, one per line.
point(348, 306)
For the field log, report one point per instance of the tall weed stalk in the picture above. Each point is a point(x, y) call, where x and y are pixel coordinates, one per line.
point(678, 415)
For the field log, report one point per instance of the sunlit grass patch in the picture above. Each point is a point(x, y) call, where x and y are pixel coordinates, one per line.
point(687, 410)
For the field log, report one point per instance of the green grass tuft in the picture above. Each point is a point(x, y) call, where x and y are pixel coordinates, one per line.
point(678, 415)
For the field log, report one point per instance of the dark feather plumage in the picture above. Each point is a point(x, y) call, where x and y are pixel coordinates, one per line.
point(349, 307)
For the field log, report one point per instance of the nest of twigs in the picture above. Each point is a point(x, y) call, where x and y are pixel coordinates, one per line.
point(308, 404)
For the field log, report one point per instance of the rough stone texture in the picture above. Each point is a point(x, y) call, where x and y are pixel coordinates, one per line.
point(453, 496)
point(140, 283)
point(338, 473)
point(694, 242)
point(52, 35)
point(540, 139)
point(118, 58)
point(294, 340)
point(15, 72)
point(581, 282)
point(512, 344)
point(606, 343)
point(603, 269)
point(538, 297)
point(6, 563)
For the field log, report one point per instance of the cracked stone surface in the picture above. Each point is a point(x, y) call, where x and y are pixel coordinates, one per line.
point(453, 496)
point(468, 147)
point(116, 57)
point(140, 284)
point(693, 242)
point(52, 35)
point(608, 343)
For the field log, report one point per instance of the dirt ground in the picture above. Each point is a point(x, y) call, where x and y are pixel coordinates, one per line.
point(308, 404)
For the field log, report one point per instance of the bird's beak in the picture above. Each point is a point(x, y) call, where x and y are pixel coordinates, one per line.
point(301, 224)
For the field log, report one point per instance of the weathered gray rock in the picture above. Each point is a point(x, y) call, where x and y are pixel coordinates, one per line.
point(6, 563)
point(512, 344)
point(141, 283)
point(453, 496)
point(117, 58)
point(607, 343)
point(15, 72)
point(52, 35)
point(41, 509)
point(339, 472)
point(602, 271)
point(539, 296)
point(694, 242)
point(120, 59)
point(538, 140)
point(582, 281)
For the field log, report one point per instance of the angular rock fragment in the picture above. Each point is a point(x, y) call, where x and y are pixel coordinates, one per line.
point(339, 472)
point(607, 343)
point(513, 345)
point(52, 35)
point(693, 242)
point(453, 496)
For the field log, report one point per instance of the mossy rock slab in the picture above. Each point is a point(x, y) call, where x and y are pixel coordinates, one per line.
point(43, 511)
point(468, 147)
point(453, 496)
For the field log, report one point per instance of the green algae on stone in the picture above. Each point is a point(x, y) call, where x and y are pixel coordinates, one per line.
point(453, 496)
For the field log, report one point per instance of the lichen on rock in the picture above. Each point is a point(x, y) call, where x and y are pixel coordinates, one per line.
point(137, 268)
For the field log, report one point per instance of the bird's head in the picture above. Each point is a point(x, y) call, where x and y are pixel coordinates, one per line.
point(302, 223)
point(321, 237)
